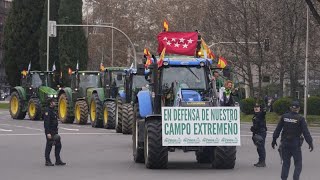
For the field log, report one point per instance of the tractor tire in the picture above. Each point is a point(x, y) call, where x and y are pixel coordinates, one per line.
point(118, 118)
point(138, 148)
point(127, 118)
point(81, 112)
point(155, 155)
point(34, 109)
point(96, 112)
point(109, 109)
point(205, 156)
point(16, 106)
point(64, 109)
point(224, 157)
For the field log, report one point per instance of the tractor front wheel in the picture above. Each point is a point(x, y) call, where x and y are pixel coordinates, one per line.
point(96, 112)
point(81, 112)
point(109, 108)
point(34, 109)
point(137, 146)
point(118, 117)
point(63, 109)
point(204, 156)
point(224, 157)
point(16, 106)
point(127, 118)
point(155, 155)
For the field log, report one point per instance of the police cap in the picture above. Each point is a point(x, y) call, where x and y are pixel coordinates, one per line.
point(295, 104)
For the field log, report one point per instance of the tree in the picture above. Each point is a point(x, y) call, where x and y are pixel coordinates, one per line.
point(54, 50)
point(22, 37)
point(72, 40)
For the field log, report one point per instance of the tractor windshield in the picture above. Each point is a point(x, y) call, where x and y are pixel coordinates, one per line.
point(189, 77)
point(40, 79)
point(139, 81)
point(89, 80)
point(119, 83)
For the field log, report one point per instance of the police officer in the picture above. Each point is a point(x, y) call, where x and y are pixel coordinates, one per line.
point(293, 126)
point(259, 133)
point(51, 132)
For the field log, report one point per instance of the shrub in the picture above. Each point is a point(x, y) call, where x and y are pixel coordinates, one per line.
point(247, 105)
point(282, 105)
point(313, 105)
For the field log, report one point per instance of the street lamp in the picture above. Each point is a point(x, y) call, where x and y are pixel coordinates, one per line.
point(306, 69)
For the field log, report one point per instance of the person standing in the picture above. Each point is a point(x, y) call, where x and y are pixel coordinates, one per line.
point(259, 133)
point(292, 126)
point(52, 136)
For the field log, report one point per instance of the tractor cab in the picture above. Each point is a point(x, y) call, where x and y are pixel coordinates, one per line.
point(113, 78)
point(81, 81)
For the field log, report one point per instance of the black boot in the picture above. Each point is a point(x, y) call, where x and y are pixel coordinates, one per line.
point(49, 163)
point(60, 163)
point(261, 164)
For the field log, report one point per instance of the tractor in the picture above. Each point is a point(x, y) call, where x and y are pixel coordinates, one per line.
point(31, 96)
point(73, 101)
point(133, 83)
point(103, 109)
point(181, 83)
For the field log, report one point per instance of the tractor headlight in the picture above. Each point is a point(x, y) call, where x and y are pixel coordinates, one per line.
point(50, 96)
point(201, 64)
point(165, 63)
point(55, 96)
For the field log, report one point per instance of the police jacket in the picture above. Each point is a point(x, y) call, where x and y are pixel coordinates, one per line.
point(259, 123)
point(50, 121)
point(293, 126)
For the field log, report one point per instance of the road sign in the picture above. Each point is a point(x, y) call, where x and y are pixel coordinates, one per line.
point(52, 29)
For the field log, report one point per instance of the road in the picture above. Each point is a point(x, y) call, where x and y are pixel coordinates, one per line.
point(100, 154)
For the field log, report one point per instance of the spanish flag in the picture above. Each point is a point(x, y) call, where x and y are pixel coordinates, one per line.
point(206, 51)
point(165, 26)
point(160, 61)
point(148, 56)
point(222, 63)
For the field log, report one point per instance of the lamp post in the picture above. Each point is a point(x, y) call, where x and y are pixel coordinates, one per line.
point(48, 19)
point(306, 69)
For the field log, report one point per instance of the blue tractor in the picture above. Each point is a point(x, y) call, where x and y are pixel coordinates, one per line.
point(179, 82)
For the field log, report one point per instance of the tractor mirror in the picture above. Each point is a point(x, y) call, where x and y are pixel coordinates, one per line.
point(140, 69)
point(119, 76)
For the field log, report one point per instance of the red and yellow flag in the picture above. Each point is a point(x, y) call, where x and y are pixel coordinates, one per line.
point(161, 58)
point(148, 56)
point(206, 51)
point(165, 25)
point(101, 67)
point(24, 73)
point(222, 63)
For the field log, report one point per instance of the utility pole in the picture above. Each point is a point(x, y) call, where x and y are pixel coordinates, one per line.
point(306, 69)
point(48, 38)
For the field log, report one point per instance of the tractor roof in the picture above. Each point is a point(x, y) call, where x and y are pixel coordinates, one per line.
point(115, 68)
point(185, 61)
point(49, 72)
point(87, 72)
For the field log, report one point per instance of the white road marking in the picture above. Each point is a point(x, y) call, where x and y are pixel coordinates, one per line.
point(68, 129)
point(5, 130)
point(38, 134)
point(26, 127)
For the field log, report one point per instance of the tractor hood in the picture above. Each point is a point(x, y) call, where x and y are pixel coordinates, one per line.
point(47, 90)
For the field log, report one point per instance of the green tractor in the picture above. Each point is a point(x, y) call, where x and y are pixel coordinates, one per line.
point(132, 85)
point(73, 101)
point(30, 97)
point(103, 109)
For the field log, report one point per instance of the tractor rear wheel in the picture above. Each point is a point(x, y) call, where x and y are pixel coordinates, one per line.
point(204, 156)
point(109, 108)
point(155, 155)
point(127, 118)
point(64, 109)
point(118, 117)
point(16, 106)
point(224, 157)
point(34, 109)
point(96, 112)
point(138, 151)
point(81, 112)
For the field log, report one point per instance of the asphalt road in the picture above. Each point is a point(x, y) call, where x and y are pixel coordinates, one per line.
point(102, 154)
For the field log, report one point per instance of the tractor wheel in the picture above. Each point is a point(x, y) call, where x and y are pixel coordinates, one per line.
point(109, 109)
point(81, 112)
point(155, 155)
point(118, 120)
point(138, 151)
point(224, 157)
point(34, 109)
point(127, 118)
point(16, 106)
point(96, 112)
point(205, 156)
point(63, 109)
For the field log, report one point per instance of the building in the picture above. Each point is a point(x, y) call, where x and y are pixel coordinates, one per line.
point(4, 10)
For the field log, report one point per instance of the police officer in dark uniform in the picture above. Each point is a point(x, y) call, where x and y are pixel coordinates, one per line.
point(292, 126)
point(51, 132)
point(259, 130)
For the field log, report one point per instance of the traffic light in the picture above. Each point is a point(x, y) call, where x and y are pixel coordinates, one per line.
point(266, 44)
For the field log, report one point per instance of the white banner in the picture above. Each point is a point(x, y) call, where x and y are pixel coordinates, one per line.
point(201, 126)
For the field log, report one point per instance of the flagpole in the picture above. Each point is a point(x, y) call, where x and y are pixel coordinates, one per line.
point(306, 69)
point(48, 19)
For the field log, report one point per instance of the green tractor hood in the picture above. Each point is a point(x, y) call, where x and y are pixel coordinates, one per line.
point(47, 90)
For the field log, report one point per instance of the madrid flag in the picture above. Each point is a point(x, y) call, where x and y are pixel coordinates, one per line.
point(183, 43)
